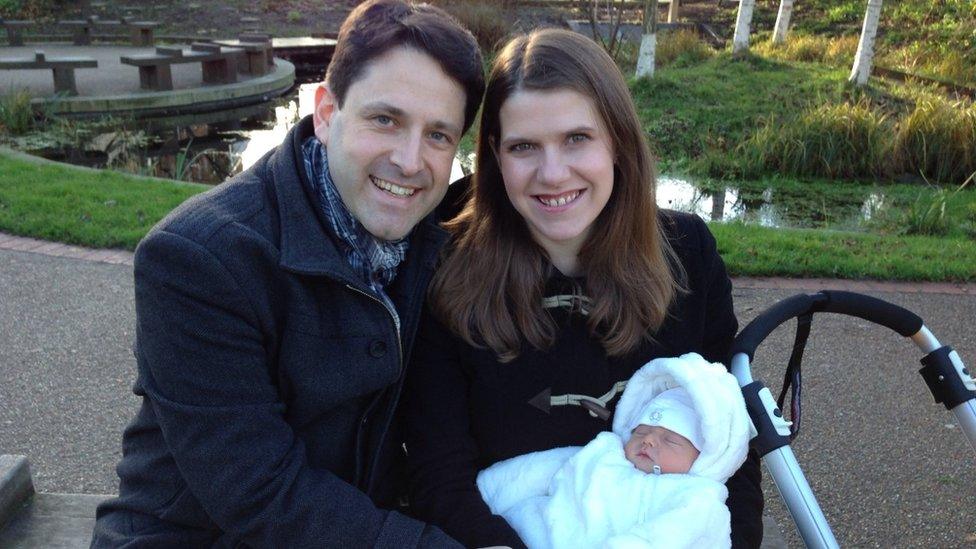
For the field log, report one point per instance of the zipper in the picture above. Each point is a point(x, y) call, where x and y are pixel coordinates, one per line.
point(393, 315)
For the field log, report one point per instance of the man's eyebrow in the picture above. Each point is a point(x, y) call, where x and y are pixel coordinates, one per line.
point(381, 106)
point(384, 107)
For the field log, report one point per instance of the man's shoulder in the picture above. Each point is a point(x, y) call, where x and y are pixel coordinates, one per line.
point(241, 204)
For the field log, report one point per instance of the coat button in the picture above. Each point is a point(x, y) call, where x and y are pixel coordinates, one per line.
point(377, 349)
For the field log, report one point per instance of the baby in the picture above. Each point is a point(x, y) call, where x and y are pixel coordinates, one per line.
point(668, 436)
point(679, 431)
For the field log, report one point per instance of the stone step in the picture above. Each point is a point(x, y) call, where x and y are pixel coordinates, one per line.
point(52, 521)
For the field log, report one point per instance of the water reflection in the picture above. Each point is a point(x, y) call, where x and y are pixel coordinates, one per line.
point(786, 206)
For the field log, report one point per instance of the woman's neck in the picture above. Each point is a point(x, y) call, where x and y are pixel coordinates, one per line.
point(566, 260)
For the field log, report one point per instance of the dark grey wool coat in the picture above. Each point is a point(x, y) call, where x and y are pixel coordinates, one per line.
point(268, 374)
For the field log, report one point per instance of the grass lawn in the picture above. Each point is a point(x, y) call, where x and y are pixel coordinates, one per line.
point(101, 209)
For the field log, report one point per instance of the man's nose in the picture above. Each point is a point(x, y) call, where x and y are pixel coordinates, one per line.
point(407, 156)
point(554, 168)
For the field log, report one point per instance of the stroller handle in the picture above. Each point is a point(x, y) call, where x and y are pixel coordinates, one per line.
point(869, 308)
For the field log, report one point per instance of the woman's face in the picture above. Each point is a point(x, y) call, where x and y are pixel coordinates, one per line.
point(556, 159)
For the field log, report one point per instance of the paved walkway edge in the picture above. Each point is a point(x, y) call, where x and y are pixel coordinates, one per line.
point(124, 257)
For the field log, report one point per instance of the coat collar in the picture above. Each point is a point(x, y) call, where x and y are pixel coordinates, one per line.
point(307, 243)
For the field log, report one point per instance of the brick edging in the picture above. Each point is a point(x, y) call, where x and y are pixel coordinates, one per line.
point(57, 249)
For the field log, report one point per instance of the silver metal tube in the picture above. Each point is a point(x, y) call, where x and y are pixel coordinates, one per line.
point(799, 499)
point(741, 369)
point(925, 340)
point(966, 416)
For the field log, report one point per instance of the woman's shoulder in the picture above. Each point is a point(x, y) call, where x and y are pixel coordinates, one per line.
point(685, 232)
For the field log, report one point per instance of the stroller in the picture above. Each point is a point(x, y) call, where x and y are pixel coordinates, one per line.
point(943, 371)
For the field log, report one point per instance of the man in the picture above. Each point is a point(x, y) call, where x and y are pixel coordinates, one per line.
point(275, 313)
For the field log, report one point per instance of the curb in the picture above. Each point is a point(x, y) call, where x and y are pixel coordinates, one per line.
point(57, 249)
point(16, 486)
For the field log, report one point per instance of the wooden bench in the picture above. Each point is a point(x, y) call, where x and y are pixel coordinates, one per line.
point(258, 58)
point(63, 67)
point(141, 33)
point(83, 29)
point(15, 36)
point(219, 64)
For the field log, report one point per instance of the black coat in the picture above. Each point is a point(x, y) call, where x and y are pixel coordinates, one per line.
point(268, 374)
point(463, 410)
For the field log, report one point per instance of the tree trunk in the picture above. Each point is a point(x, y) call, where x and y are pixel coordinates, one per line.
point(865, 47)
point(740, 41)
point(783, 21)
point(648, 45)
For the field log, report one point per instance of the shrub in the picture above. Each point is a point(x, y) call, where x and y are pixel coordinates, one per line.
point(845, 140)
point(812, 48)
point(682, 47)
point(938, 139)
point(16, 113)
point(487, 21)
point(927, 214)
point(294, 16)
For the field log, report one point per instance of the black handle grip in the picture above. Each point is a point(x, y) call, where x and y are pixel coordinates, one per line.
point(869, 308)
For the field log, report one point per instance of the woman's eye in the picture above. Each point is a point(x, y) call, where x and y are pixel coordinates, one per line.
point(578, 138)
point(520, 147)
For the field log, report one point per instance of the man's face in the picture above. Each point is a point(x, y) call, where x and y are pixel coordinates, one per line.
point(392, 143)
point(649, 446)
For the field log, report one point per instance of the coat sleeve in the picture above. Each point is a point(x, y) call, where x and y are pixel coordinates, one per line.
point(745, 500)
point(204, 366)
point(442, 456)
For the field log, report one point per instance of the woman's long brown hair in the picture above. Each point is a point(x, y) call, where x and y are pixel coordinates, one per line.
point(490, 286)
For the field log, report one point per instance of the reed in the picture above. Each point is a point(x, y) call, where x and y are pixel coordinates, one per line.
point(16, 113)
point(845, 140)
point(937, 139)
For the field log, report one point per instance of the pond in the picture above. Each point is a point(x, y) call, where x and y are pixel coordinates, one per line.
point(210, 153)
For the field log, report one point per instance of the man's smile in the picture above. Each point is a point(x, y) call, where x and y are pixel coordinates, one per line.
point(392, 188)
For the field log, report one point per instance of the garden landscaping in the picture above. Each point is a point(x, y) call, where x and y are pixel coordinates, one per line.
point(783, 121)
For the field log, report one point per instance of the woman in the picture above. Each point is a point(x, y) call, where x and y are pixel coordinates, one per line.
point(562, 280)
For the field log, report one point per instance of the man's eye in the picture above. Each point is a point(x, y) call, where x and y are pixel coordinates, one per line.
point(440, 136)
point(383, 120)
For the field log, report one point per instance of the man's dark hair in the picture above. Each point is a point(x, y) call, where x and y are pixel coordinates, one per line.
point(377, 26)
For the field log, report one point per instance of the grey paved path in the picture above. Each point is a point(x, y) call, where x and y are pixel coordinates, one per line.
point(887, 464)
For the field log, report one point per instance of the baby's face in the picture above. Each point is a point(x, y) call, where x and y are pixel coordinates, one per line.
point(649, 446)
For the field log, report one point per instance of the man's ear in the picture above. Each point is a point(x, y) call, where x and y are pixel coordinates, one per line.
point(325, 109)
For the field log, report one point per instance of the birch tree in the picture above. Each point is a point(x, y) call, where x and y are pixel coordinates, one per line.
point(648, 45)
point(865, 47)
point(673, 11)
point(740, 41)
point(782, 21)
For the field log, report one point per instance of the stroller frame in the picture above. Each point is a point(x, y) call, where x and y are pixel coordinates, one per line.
point(948, 379)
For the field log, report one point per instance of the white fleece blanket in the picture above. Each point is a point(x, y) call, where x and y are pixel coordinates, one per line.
point(591, 496)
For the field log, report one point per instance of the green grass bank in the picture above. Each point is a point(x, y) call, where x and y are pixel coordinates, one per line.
point(106, 209)
point(96, 208)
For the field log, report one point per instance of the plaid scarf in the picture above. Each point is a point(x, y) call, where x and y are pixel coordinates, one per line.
point(374, 260)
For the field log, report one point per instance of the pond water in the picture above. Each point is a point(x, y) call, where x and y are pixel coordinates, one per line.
point(210, 153)
point(847, 206)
